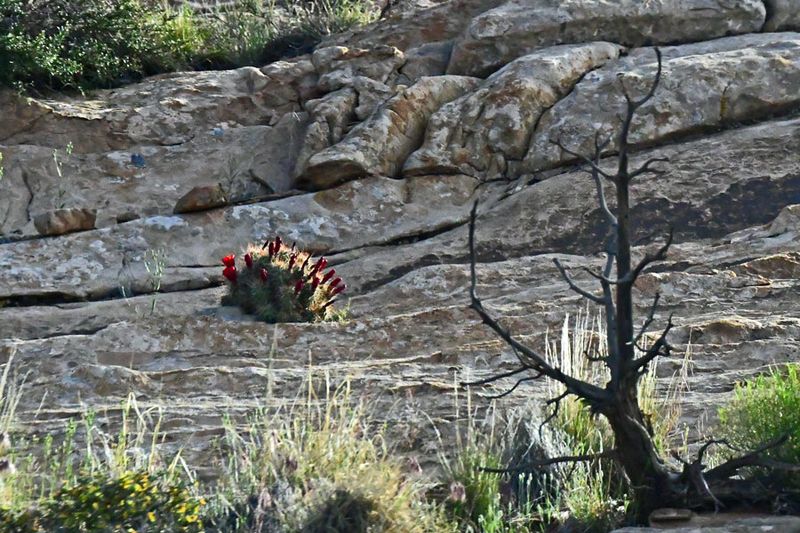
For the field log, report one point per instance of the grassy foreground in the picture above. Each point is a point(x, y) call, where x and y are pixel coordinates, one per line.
point(324, 464)
point(85, 44)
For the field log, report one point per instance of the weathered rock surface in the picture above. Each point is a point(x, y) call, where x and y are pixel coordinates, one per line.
point(783, 15)
point(380, 145)
point(479, 132)
point(63, 221)
point(339, 66)
point(201, 198)
point(518, 27)
point(778, 524)
point(399, 151)
point(358, 214)
point(703, 87)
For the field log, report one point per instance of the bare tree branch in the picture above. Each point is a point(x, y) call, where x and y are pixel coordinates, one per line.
point(552, 401)
point(537, 362)
point(645, 168)
point(636, 104)
point(512, 389)
point(601, 195)
point(754, 458)
point(594, 166)
point(660, 347)
point(649, 319)
point(496, 377)
point(623, 176)
point(660, 255)
point(576, 288)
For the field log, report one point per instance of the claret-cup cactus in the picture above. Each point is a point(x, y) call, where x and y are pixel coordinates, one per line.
point(278, 283)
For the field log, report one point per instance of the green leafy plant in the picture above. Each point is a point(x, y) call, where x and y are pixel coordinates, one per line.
point(85, 44)
point(763, 410)
point(283, 284)
point(135, 500)
point(79, 43)
point(155, 263)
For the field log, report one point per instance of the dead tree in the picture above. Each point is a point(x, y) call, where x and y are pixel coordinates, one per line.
point(654, 482)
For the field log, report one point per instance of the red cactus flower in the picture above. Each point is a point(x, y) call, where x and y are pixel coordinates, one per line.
point(328, 275)
point(264, 275)
point(278, 243)
point(229, 260)
point(271, 249)
point(303, 266)
point(298, 286)
point(315, 283)
point(230, 273)
point(248, 259)
point(319, 265)
point(292, 259)
point(335, 282)
point(338, 289)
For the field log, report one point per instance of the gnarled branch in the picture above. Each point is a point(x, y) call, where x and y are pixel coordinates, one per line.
point(591, 393)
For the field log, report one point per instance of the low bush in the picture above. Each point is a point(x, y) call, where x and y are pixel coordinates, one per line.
point(76, 44)
point(138, 501)
point(84, 44)
point(762, 410)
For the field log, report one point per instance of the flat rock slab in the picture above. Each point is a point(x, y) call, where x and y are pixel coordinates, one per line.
point(362, 213)
point(518, 27)
point(703, 87)
point(776, 524)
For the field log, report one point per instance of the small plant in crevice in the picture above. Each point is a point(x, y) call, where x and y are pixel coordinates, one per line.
point(279, 283)
point(155, 262)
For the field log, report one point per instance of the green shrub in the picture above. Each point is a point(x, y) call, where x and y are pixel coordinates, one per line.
point(762, 410)
point(83, 44)
point(282, 284)
point(136, 500)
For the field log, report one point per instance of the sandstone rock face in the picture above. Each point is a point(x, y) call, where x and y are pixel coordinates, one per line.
point(338, 66)
point(329, 115)
point(704, 87)
point(410, 28)
point(787, 524)
point(783, 15)
point(335, 220)
point(171, 120)
point(379, 145)
point(201, 198)
point(395, 151)
point(64, 221)
point(478, 133)
point(518, 27)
